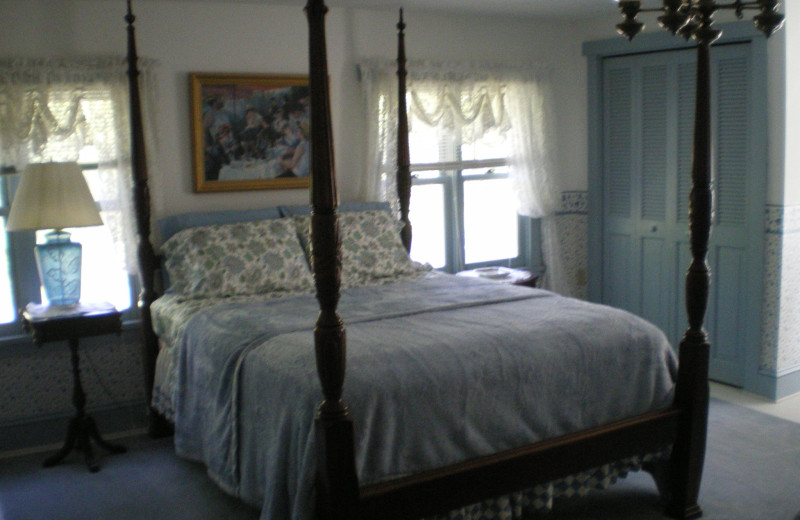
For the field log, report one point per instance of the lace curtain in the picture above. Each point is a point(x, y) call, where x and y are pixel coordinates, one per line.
point(479, 99)
point(379, 85)
point(76, 110)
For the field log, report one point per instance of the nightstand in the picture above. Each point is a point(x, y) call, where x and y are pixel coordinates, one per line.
point(508, 275)
point(47, 324)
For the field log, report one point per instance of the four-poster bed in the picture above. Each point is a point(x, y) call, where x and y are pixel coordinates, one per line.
point(358, 467)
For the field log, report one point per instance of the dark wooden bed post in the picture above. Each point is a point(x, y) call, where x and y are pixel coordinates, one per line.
point(148, 261)
point(691, 390)
point(403, 178)
point(337, 483)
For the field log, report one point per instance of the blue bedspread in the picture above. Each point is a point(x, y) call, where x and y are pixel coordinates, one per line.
point(438, 370)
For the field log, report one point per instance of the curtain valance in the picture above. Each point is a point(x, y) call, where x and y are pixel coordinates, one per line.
point(62, 109)
point(477, 99)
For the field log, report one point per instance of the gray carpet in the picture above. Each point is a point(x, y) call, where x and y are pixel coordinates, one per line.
point(752, 472)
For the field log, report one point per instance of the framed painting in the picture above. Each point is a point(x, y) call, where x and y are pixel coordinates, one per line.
point(250, 131)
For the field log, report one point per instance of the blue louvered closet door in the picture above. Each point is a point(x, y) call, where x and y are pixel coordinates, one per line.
point(648, 125)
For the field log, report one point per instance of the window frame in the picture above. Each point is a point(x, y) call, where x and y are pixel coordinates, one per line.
point(21, 261)
point(452, 180)
point(23, 271)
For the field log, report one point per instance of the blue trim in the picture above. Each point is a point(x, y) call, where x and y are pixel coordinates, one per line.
point(595, 177)
point(22, 263)
point(787, 385)
point(534, 255)
point(168, 226)
point(776, 386)
point(757, 136)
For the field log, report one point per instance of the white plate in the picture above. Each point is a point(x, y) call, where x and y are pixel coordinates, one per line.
point(492, 272)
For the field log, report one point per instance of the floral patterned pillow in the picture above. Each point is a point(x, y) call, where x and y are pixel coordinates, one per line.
point(237, 259)
point(372, 251)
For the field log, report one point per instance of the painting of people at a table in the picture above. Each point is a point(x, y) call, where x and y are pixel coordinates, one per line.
point(250, 132)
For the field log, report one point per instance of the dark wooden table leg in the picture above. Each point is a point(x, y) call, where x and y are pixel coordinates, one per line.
point(72, 437)
point(82, 428)
point(94, 435)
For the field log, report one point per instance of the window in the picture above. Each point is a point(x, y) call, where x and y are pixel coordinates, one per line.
point(72, 111)
point(104, 275)
point(480, 146)
point(463, 210)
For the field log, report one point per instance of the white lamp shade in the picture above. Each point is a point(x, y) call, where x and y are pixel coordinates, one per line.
point(52, 196)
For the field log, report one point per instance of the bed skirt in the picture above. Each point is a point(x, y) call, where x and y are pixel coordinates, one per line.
point(523, 504)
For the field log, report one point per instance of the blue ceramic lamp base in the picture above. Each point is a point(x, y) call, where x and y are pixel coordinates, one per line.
point(59, 263)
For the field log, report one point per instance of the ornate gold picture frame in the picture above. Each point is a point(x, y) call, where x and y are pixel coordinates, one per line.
point(250, 131)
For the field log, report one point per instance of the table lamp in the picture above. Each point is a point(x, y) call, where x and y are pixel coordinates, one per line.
point(55, 196)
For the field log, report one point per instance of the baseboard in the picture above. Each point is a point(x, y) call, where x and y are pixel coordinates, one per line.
point(787, 384)
point(774, 385)
point(45, 433)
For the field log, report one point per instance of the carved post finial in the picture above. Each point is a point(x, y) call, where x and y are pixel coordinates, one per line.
point(130, 17)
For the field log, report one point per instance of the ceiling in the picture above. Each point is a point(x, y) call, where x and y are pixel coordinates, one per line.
point(573, 9)
point(532, 8)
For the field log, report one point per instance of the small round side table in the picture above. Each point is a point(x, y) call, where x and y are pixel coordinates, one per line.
point(48, 324)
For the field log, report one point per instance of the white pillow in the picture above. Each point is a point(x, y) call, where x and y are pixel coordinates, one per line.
point(372, 251)
point(237, 259)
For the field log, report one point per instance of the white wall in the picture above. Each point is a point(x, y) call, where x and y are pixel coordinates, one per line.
point(215, 36)
point(238, 37)
point(791, 34)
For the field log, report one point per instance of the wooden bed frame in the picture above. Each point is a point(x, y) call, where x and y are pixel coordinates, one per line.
point(682, 425)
